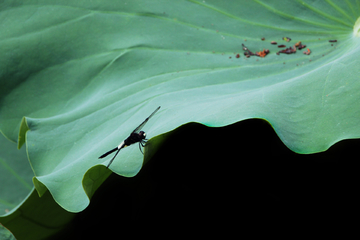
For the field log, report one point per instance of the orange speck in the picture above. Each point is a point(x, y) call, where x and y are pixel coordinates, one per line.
point(262, 53)
point(307, 52)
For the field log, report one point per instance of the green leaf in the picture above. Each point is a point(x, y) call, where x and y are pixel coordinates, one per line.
point(15, 176)
point(21, 210)
point(37, 218)
point(5, 234)
point(85, 74)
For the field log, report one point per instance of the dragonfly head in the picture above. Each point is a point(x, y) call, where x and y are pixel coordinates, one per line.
point(142, 134)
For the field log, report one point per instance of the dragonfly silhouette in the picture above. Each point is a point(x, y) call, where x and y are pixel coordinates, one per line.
point(135, 136)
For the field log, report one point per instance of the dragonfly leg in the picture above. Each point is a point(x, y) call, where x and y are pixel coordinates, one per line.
point(141, 143)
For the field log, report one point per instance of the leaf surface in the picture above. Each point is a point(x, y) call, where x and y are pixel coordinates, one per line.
point(85, 74)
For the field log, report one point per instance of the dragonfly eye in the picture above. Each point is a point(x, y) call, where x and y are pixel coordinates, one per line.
point(142, 134)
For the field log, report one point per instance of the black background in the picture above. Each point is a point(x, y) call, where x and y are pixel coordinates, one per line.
point(234, 179)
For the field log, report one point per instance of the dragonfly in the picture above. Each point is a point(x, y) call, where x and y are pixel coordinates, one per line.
point(135, 136)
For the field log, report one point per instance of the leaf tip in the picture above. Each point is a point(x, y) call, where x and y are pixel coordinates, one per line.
point(23, 129)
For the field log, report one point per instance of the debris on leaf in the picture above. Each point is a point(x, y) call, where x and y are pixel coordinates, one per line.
point(244, 48)
point(289, 50)
point(249, 53)
point(299, 45)
point(333, 40)
point(293, 49)
point(286, 39)
point(262, 53)
point(307, 52)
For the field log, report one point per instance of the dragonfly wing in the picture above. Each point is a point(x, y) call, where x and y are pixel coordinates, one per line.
point(136, 130)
